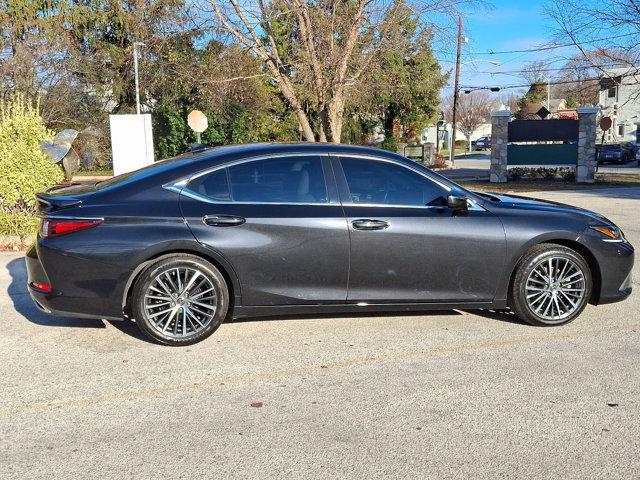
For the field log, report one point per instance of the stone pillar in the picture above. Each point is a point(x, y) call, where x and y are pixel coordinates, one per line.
point(587, 162)
point(428, 153)
point(499, 141)
point(400, 148)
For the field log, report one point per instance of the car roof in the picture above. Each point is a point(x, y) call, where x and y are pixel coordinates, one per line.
point(257, 149)
point(206, 157)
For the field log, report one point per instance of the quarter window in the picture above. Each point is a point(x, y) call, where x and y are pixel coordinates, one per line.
point(382, 183)
point(272, 180)
point(214, 185)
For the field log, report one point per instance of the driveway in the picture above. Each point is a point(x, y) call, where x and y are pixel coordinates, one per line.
point(473, 166)
point(476, 166)
point(449, 394)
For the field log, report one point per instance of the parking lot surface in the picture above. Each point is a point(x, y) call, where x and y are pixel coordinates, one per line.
point(450, 394)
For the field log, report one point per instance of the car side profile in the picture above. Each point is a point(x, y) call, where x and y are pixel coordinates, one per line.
point(276, 229)
point(483, 143)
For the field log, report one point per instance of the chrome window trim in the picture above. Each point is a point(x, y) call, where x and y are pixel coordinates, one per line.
point(180, 186)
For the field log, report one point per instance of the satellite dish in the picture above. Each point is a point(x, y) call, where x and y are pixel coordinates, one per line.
point(60, 146)
point(197, 121)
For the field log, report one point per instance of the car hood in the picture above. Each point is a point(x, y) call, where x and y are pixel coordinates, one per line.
point(528, 203)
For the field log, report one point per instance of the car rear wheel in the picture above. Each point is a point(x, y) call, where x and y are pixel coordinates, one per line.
point(552, 285)
point(180, 300)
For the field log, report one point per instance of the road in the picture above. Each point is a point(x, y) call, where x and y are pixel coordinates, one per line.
point(450, 394)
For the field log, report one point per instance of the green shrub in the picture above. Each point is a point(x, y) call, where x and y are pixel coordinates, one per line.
point(568, 174)
point(516, 173)
point(24, 167)
point(18, 224)
point(389, 143)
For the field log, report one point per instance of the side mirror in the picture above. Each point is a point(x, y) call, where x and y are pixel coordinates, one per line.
point(458, 204)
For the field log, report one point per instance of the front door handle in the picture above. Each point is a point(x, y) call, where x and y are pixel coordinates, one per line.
point(223, 220)
point(369, 224)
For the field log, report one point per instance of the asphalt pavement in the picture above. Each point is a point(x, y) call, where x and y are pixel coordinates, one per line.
point(451, 394)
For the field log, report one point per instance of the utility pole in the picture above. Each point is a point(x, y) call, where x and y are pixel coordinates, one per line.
point(548, 94)
point(135, 73)
point(456, 92)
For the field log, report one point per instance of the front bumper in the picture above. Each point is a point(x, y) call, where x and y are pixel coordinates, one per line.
point(615, 263)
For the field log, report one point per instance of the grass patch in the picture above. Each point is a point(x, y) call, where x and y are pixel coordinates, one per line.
point(94, 173)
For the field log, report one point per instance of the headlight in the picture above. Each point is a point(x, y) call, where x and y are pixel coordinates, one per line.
point(611, 232)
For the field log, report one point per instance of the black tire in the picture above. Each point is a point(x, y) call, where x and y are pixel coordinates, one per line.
point(521, 285)
point(211, 277)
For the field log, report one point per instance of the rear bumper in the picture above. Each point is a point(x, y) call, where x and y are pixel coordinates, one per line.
point(63, 300)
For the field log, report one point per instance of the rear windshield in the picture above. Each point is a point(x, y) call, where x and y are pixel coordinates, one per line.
point(144, 172)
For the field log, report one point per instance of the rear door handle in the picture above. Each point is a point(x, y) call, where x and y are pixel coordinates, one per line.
point(223, 220)
point(369, 224)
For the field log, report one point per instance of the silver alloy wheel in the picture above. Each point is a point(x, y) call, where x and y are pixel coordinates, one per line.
point(180, 302)
point(555, 289)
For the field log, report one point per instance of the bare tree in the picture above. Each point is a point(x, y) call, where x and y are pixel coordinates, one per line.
point(474, 109)
point(316, 52)
point(536, 71)
point(604, 32)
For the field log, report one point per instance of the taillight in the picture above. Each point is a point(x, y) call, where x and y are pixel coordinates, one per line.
point(42, 287)
point(52, 227)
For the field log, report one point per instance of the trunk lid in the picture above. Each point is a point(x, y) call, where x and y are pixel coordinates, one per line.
point(63, 196)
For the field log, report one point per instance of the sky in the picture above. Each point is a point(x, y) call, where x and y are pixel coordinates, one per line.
point(506, 25)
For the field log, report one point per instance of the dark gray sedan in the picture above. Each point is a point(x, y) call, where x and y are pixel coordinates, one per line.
point(277, 229)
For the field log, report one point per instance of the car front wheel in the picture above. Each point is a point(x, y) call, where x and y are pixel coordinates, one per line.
point(180, 299)
point(552, 285)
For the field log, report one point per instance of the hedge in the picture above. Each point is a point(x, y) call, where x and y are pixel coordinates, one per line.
point(18, 224)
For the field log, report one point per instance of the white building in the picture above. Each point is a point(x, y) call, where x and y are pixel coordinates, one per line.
point(620, 100)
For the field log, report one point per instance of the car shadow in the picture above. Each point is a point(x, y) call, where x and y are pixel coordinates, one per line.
point(23, 304)
point(333, 315)
point(507, 316)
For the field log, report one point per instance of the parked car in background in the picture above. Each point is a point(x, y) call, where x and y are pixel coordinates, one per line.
point(616, 153)
point(483, 143)
point(635, 149)
point(277, 229)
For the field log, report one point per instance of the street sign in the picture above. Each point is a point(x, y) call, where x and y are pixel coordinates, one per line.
point(605, 123)
point(543, 113)
point(197, 121)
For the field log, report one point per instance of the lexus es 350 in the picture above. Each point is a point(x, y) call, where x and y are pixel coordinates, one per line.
point(274, 229)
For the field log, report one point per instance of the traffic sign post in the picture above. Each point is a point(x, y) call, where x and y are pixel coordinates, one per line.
point(605, 124)
point(198, 123)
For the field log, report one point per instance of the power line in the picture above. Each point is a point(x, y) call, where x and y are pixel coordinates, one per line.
point(577, 67)
point(564, 82)
point(551, 47)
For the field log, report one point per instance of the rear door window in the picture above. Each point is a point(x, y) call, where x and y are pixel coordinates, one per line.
point(270, 180)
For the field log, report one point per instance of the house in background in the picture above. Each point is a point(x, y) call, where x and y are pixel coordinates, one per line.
point(619, 99)
point(555, 105)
